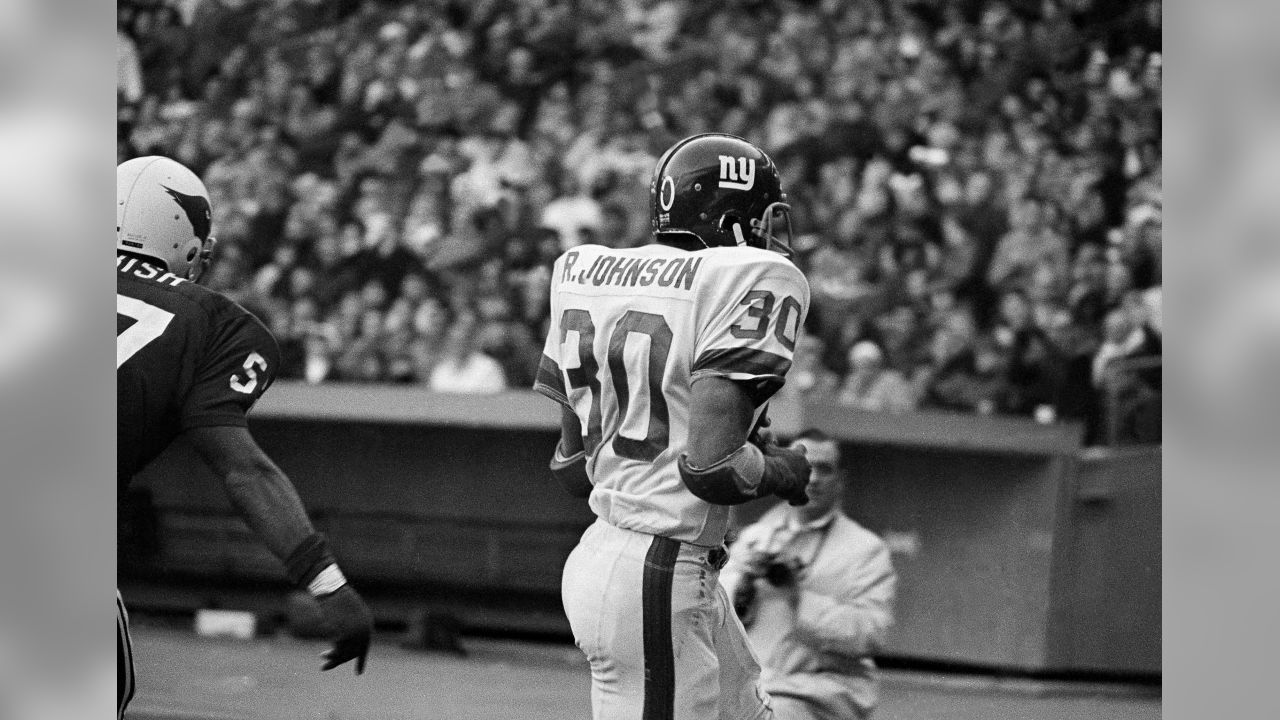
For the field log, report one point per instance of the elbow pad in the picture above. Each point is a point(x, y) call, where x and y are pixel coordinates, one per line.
point(572, 472)
point(733, 480)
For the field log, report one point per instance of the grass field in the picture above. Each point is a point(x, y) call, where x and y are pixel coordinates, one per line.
point(186, 677)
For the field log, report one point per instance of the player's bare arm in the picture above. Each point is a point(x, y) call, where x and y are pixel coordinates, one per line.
point(721, 467)
point(269, 504)
point(721, 414)
point(258, 489)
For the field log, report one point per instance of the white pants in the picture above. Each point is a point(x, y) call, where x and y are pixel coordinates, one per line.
point(658, 629)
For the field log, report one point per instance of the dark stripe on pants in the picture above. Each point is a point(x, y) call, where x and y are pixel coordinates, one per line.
point(659, 657)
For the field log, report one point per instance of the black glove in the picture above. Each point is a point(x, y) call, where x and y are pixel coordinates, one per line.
point(350, 624)
point(760, 433)
point(786, 473)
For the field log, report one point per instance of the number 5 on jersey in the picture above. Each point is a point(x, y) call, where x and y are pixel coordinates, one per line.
point(249, 383)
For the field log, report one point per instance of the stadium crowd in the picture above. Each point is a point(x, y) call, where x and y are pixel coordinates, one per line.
point(975, 183)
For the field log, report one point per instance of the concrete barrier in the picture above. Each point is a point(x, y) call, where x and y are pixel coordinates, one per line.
point(1002, 555)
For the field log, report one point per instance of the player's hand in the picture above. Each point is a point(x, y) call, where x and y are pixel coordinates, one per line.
point(790, 468)
point(351, 623)
point(761, 435)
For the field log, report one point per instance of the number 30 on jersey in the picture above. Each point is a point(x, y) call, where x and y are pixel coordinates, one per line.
point(586, 375)
point(625, 388)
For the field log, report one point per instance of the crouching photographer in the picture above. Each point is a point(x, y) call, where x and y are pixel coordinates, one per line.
point(815, 591)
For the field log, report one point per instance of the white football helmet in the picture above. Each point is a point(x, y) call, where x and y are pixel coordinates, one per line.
point(162, 212)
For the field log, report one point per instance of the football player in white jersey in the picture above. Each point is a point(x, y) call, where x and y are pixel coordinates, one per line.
point(662, 358)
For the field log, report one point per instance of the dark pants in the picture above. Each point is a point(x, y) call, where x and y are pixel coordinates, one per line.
point(124, 659)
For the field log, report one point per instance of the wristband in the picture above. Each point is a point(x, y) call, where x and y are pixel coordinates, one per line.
point(571, 471)
point(559, 459)
point(308, 560)
point(328, 580)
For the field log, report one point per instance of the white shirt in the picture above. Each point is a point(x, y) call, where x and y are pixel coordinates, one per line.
point(477, 373)
point(815, 639)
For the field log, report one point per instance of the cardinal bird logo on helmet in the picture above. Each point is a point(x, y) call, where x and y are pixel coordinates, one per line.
point(197, 210)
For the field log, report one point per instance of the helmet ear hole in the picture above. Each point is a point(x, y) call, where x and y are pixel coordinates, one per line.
point(727, 220)
point(731, 227)
point(189, 258)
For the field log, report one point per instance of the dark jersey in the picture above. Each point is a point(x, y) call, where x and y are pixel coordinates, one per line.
point(185, 357)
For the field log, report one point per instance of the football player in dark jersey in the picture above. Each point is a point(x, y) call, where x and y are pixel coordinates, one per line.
point(192, 362)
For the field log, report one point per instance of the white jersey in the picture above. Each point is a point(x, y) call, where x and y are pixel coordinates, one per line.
point(630, 331)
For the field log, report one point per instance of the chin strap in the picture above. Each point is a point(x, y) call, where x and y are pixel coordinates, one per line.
point(201, 264)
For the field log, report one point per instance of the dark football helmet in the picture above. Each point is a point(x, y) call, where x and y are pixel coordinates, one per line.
point(722, 190)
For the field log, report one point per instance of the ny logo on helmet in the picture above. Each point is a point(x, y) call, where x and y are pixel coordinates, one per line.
point(737, 176)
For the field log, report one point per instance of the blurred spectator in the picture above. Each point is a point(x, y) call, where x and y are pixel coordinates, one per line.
point(618, 230)
point(937, 157)
point(508, 341)
point(1032, 360)
point(128, 71)
point(966, 373)
point(317, 358)
point(361, 360)
point(808, 374)
point(462, 368)
point(1123, 338)
point(872, 386)
point(1089, 298)
point(573, 212)
point(1030, 241)
point(1127, 373)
